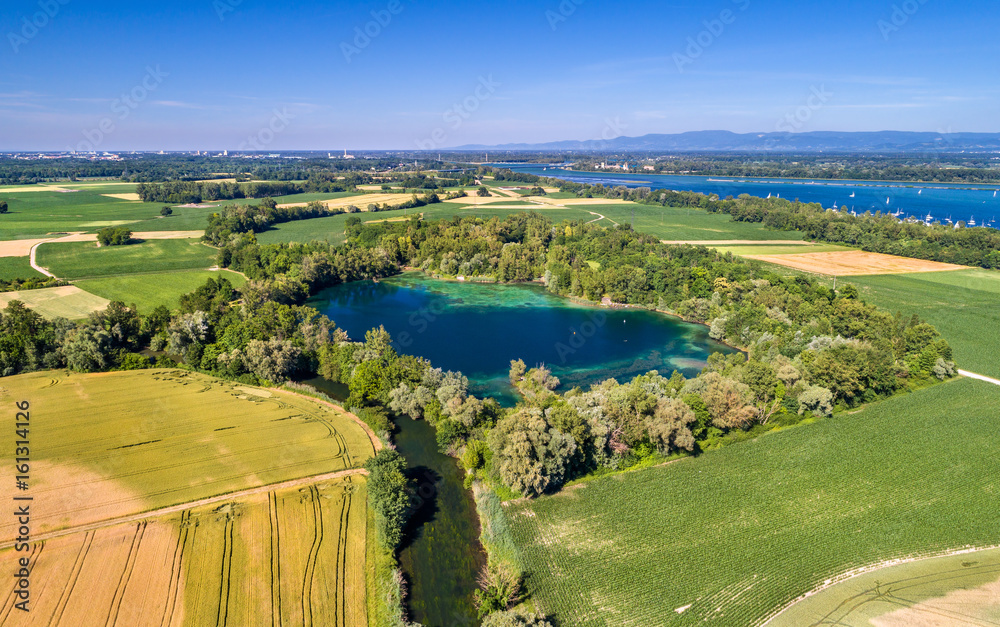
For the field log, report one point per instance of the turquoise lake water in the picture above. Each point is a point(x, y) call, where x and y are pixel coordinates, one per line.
point(478, 329)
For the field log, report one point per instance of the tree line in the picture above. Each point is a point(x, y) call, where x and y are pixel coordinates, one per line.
point(873, 232)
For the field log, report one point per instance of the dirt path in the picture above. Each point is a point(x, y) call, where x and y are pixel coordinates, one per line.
point(600, 217)
point(979, 377)
point(174, 509)
point(867, 569)
point(34, 264)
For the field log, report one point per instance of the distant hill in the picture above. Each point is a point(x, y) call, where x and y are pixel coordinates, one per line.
point(820, 141)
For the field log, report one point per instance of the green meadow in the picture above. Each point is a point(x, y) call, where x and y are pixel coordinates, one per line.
point(17, 268)
point(728, 537)
point(80, 260)
point(148, 291)
point(963, 305)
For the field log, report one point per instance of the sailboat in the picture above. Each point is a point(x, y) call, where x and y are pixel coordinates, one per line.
point(853, 194)
point(769, 196)
point(972, 221)
point(920, 192)
point(887, 201)
point(994, 194)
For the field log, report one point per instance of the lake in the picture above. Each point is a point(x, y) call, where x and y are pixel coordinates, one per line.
point(940, 201)
point(478, 329)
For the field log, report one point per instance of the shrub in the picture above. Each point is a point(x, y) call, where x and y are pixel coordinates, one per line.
point(166, 211)
point(387, 495)
point(114, 236)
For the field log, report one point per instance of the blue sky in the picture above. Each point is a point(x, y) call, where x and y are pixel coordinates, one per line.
point(221, 74)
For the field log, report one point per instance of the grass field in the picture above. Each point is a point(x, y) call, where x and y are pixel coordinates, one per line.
point(148, 291)
point(17, 268)
point(294, 557)
point(117, 444)
point(57, 302)
point(80, 260)
point(962, 305)
point(666, 223)
point(729, 537)
point(39, 213)
point(953, 590)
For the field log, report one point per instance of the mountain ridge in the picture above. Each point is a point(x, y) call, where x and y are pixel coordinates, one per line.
point(814, 141)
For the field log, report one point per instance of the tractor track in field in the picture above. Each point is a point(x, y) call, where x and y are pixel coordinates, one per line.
point(181, 507)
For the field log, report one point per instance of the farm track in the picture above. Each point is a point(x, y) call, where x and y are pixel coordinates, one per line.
point(126, 576)
point(176, 569)
point(272, 512)
point(74, 576)
point(979, 377)
point(173, 509)
point(313, 559)
point(376, 443)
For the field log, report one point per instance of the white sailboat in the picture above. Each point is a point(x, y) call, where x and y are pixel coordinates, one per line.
point(853, 194)
point(920, 192)
point(972, 221)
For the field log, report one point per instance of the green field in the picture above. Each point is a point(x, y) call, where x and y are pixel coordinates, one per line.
point(36, 214)
point(952, 590)
point(729, 537)
point(148, 291)
point(80, 260)
point(17, 268)
point(667, 223)
point(68, 302)
point(962, 305)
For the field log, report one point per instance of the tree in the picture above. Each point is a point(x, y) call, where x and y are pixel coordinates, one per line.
point(387, 495)
point(499, 589)
point(3, 206)
point(530, 455)
point(272, 360)
point(483, 192)
point(88, 349)
point(114, 236)
point(166, 211)
point(670, 425)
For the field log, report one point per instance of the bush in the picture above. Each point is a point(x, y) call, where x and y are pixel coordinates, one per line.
point(375, 417)
point(166, 211)
point(114, 236)
point(134, 361)
point(387, 496)
point(3, 206)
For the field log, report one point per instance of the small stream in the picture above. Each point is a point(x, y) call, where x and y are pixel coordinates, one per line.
point(441, 554)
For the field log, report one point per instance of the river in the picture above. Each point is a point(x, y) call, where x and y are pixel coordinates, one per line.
point(939, 201)
point(441, 553)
